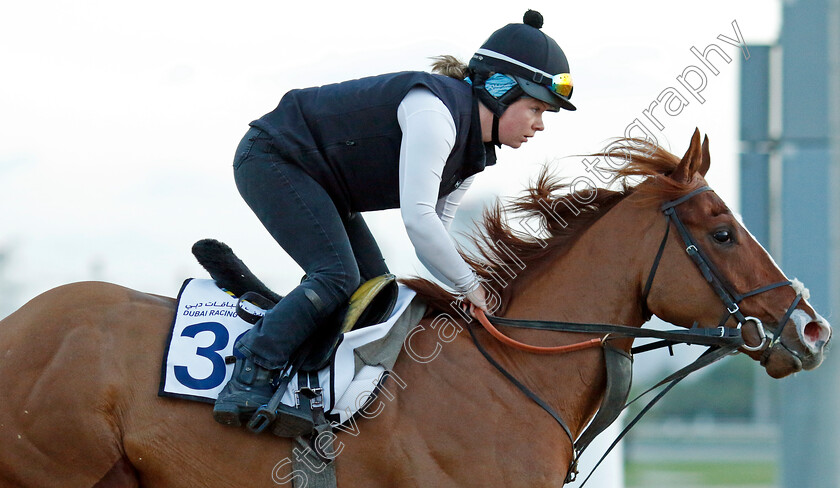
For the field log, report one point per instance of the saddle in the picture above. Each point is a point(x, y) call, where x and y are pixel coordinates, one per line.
point(370, 304)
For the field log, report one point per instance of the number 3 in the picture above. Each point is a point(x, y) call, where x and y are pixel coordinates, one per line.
point(210, 352)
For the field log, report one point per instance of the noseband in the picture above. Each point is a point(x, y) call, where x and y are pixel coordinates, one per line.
point(729, 297)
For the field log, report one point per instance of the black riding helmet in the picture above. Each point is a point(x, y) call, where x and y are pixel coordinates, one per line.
point(534, 60)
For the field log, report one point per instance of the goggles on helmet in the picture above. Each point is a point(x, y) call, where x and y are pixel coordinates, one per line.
point(560, 84)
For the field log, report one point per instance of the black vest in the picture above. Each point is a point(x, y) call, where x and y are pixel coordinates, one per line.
point(346, 136)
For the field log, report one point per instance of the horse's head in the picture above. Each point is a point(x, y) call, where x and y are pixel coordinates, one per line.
point(710, 271)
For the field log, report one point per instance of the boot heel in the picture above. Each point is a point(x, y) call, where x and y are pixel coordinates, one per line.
point(249, 388)
point(227, 415)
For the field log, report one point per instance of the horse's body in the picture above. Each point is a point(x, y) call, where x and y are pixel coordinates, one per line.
point(85, 410)
point(81, 365)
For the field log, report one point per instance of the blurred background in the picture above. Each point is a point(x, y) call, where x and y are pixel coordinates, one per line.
point(118, 123)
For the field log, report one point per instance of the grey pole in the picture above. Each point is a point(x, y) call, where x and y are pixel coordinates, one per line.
point(810, 216)
point(756, 190)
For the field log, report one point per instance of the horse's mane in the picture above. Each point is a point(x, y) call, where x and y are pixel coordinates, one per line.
point(502, 250)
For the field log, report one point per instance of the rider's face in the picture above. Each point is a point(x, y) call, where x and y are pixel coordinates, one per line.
point(521, 121)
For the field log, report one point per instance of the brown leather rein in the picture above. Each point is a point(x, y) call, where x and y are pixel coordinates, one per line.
point(509, 341)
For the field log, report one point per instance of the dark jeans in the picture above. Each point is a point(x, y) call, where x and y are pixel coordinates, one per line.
point(335, 251)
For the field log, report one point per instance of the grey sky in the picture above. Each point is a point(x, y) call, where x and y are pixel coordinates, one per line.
point(118, 120)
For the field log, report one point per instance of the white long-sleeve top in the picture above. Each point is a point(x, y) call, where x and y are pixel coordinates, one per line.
point(428, 134)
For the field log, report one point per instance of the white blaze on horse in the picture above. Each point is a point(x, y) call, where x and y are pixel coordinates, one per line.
point(81, 363)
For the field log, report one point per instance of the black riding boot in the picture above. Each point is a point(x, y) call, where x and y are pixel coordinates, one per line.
point(248, 389)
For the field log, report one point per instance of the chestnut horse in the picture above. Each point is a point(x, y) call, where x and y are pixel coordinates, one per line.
point(81, 363)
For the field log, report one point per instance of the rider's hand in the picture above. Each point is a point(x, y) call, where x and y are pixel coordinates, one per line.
point(477, 298)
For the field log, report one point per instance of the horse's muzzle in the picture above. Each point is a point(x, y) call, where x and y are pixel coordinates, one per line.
point(786, 355)
point(814, 333)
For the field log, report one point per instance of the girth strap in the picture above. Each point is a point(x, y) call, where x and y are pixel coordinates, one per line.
point(316, 473)
point(316, 462)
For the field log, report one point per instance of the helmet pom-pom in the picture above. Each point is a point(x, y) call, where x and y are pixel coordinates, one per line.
point(533, 18)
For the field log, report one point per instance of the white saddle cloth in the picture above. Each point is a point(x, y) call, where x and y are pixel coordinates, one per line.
point(206, 326)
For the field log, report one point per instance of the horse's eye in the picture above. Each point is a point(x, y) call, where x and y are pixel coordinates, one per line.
point(722, 236)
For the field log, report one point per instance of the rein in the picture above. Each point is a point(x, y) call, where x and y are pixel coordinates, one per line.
point(508, 341)
point(721, 341)
point(719, 336)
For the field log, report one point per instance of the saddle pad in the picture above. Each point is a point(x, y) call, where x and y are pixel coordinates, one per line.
point(206, 327)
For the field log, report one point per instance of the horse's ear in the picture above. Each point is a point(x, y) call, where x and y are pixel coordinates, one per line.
point(692, 160)
point(706, 159)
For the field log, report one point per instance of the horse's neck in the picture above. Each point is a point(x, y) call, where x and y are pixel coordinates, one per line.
point(461, 404)
point(599, 280)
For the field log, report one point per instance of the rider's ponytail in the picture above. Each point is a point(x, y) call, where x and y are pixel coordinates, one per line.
point(449, 66)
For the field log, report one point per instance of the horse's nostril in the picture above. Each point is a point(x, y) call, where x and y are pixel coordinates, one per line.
point(813, 331)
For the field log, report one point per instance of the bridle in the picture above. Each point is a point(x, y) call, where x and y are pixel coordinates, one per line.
point(722, 340)
point(729, 297)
